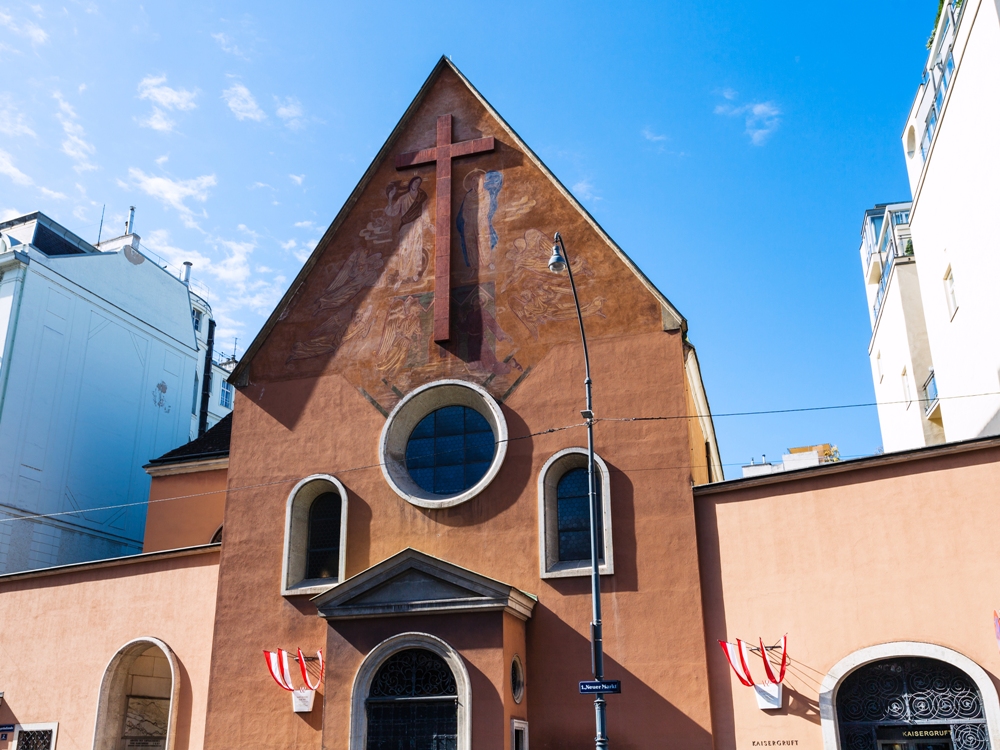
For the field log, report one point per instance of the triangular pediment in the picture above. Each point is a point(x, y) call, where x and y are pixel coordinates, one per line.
point(412, 582)
point(367, 303)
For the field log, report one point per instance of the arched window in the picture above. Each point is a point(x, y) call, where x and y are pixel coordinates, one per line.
point(564, 515)
point(315, 536)
point(413, 703)
point(911, 703)
point(323, 555)
point(138, 698)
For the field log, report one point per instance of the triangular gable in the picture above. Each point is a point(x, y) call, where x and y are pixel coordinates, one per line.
point(671, 317)
point(412, 582)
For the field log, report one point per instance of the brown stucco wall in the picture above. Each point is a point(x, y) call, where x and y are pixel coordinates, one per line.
point(185, 510)
point(842, 561)
point(312, 405)
point(59, 631)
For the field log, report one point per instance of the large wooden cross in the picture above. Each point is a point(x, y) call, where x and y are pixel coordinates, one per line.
point(441, 155)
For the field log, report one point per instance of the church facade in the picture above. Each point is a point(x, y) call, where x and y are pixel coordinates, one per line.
point(402, 487)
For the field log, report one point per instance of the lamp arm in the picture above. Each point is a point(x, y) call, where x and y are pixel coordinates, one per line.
point(579, 316)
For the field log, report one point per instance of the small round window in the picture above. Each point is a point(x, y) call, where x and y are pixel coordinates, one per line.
point(516, 679)
point(450, 450)
point(443, 444)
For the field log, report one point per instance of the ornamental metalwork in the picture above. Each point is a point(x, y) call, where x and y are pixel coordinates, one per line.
point(412, 704)
point(910, 692)
point(36, 739)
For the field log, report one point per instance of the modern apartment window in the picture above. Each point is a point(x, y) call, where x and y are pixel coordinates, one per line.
point(949, 293)
point(906, 388)
point(196, 316)
point(226, 395)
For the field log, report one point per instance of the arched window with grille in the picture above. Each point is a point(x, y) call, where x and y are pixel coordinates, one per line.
point(911, 703)
point(315, 536)
point(564, 515)
point(412, 703)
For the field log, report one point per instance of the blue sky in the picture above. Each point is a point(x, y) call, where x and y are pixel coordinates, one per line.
point(729, 147)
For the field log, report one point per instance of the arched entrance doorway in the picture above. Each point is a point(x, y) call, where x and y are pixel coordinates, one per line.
point(412, 703)
point(911, 703)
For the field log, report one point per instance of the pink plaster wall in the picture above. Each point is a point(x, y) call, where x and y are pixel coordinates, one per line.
point(840, 562)
point(58, 632)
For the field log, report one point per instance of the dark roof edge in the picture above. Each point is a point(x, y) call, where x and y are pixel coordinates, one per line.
point(112, 562)
point(240, 374)
point(186, 459)
point(853, 464)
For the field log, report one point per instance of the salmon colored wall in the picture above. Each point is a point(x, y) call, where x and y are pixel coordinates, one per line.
point(843, 561)
point(699, 460)
point(58, 633)
point(514, 642)
point(187, 521)
point(302, 415)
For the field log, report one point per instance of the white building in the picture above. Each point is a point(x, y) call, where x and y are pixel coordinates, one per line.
point(101, 369)
point(941, 304)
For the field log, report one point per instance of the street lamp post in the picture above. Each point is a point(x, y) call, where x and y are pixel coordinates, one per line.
point(557, 263)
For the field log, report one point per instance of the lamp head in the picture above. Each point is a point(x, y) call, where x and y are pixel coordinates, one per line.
point(557, 263)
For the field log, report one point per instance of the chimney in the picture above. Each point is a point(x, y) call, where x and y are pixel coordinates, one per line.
point(131, 220)
point(186, 278)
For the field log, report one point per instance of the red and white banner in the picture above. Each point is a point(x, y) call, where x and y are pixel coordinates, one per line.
point(277, 665)
point(305, 673)
point(736, 656)
point(767, 663)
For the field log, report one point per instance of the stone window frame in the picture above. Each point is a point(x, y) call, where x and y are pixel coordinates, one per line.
point(49, 726)
point(415, 406)
point(108, 724)
point(378, 656)
point(829, 724)
point(548, 519)
point(516, 724)
point(294, 552)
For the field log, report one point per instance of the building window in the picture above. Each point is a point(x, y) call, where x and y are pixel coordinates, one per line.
point(196, 316)
point(906, 388)
point(413, 702)
point(35, 736)
point(226, 395)
point(450, 450)
point(315, 536)
point(443, 444)
point(194, 396)
point(518, 734)
point(564, 515)
point(516, 679)
point(878, 366)
point(949, 293)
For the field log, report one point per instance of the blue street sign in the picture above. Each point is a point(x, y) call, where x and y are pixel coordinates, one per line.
point(6, 727)
point(601, 686)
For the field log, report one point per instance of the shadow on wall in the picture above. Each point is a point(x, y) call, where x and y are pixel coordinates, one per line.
point(561, 717)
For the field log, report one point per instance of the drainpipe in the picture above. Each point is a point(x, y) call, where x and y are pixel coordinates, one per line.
point(8, 349)
point(206, 380)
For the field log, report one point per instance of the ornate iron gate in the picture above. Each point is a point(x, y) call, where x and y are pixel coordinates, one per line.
point(910, 692)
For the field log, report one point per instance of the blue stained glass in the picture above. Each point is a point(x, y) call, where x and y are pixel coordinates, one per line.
point(573, 501)
point(450, 450)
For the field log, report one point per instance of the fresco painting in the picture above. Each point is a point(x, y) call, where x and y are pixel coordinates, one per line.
point(379, 303)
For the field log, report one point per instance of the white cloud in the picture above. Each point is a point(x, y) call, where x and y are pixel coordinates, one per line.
point(242, 104)
point(6, 214)
point(649, 135)
point(52, 193)
point(761, 118)
point(291, 112)
point(297, 178)
point(175, 193)
point(161, 160)
point(227, 44)
point(305, 224)
point(154, 89)
point(163, 97)
point(289, 245)
point(12, 122)
point(729, 94)
point(16, 175)
point(74, 146)
point(159, 242)
point(257, 185)
point(33, 33)
point(584, 189)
